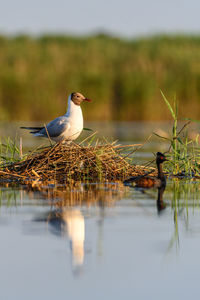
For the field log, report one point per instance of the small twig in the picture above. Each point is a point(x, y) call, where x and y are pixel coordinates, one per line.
point(88, 137)
point(48, 135)
point(13, 175)
point(20, 148)
point(35, 173)
point(184, 126)
point(127, 146)
point(138, 147)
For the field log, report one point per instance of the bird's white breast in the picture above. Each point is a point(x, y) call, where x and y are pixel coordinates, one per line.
point(75, 122)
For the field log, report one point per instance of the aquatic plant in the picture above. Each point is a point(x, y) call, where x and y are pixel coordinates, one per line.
point(183, 198)
point(9, 151)
point(183, 151)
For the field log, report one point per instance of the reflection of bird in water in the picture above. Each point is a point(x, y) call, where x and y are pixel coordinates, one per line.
point(69, 222)
point(146, 181)
point(74, 224)
point(161, 205)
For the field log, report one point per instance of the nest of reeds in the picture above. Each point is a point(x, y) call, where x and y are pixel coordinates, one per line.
point(65, 164)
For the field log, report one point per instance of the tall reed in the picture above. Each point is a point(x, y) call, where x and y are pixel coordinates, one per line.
point(183, 151)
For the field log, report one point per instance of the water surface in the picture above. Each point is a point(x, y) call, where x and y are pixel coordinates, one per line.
point(100, 241)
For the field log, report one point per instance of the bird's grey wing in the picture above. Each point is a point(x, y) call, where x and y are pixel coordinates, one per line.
point(56, 127)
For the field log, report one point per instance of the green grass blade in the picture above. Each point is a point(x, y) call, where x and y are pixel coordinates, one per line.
point(160, 136)
point(88, 129)
point(168, 105)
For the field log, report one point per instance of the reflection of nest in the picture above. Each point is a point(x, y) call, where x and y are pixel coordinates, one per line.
point(69, 163)
point(82, 194)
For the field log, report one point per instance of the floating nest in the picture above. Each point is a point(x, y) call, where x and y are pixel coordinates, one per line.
point(64, 164)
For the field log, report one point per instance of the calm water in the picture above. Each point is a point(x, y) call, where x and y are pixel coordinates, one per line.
point(101, 241)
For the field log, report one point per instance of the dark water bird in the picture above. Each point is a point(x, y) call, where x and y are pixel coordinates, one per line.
point(147, 181)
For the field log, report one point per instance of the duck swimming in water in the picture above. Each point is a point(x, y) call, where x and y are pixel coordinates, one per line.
point(146, 181)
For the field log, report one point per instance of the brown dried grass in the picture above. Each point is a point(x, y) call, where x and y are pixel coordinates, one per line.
point(66, 164)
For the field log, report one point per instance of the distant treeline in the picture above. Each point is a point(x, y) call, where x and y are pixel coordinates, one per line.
point(123, 77)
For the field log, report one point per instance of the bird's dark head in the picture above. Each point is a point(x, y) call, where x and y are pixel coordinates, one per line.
point(78, 98)
point(160, 158)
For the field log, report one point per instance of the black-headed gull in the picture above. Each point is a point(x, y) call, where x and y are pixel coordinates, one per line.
point(67, 127)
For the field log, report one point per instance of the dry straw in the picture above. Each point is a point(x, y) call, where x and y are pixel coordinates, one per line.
point(71, 163)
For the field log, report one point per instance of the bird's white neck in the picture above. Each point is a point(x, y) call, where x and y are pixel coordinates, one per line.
point(73, 110)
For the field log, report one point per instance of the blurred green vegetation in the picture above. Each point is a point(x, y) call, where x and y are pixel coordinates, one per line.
point(123, 77)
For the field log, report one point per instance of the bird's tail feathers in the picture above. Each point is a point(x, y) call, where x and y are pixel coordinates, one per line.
point(36, 129)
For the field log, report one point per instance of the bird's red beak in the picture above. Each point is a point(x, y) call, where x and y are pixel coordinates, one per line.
point(88, 100)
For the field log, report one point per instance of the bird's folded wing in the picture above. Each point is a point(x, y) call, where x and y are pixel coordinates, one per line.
point(56, 127)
